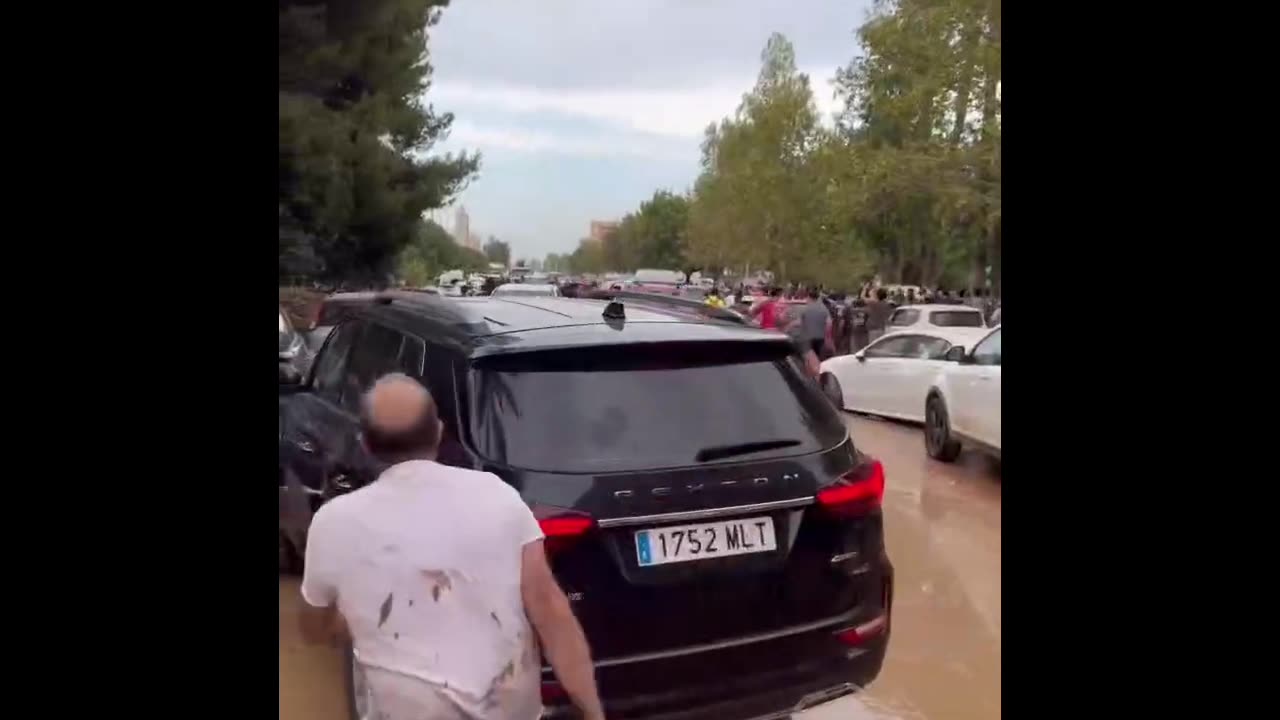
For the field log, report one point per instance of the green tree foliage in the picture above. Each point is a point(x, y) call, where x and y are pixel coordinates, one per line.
point(651, 237)
point(762, 197)
point(355, 174)
point(907, 186)
point(555, 262)
point(922, 131)
point(588, 258)
point(497, 251)
point(431, 252)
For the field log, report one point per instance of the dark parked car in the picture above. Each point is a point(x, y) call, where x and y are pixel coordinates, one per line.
point(295, 354)
point(333, 310)
point(717, 532)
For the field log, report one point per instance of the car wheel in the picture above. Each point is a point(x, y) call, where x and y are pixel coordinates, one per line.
point(938, 439)
point(831, 388)
point(357, 687)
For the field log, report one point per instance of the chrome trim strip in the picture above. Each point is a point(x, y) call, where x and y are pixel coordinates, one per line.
point(722, 644)
point(702, 514)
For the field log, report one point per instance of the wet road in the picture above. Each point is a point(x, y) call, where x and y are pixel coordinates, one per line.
point(943, 531)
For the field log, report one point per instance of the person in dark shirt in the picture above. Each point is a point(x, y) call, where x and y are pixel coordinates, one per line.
point(878, 314)
point(859, 325)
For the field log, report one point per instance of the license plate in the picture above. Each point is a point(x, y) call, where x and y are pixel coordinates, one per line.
point(682, 543)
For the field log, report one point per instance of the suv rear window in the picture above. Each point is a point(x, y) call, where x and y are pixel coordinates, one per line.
point(902, 318)
point(956, 318)
point(635, 407)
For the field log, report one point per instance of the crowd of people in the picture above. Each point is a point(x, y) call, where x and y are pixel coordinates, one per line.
point(824, 324)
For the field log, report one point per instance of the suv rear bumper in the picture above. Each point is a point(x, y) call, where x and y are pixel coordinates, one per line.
point(768, 679)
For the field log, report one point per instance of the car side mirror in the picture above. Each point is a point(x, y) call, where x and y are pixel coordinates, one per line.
point(289, 375)
point(860, 356)
point(956, 354)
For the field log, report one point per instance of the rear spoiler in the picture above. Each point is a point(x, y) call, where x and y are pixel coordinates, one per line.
point(673, 303)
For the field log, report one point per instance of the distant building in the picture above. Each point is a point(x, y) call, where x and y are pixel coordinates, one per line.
point(601, 228)
point(462, 227)
point(473, 242)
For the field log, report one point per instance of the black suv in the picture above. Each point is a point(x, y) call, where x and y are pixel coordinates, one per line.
point(716, 531)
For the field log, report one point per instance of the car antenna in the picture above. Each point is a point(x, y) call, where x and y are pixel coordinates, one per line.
point(614, 311)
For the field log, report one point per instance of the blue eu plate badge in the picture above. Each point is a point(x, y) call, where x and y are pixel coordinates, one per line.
point(643, 550)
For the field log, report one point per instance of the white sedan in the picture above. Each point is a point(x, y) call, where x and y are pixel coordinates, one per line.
point(526, 290)
point(963, 404)
point(892, 376)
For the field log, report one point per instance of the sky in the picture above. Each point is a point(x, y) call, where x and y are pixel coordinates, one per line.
point(581, 109)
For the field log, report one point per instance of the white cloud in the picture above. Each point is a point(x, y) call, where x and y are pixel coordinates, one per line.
point(521, 139)
point(682, 113)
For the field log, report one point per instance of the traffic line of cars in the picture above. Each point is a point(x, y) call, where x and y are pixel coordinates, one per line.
point(719, 570)
point(945, 376)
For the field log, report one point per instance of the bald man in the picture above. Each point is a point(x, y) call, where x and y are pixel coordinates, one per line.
point(438, 572)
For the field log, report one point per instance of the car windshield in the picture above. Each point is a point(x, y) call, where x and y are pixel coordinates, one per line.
point(956, 318)
point(627, 408)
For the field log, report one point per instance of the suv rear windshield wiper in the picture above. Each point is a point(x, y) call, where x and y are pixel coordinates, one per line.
point(724, 451)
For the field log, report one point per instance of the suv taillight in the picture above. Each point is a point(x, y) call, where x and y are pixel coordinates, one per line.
point(562, 528)
point(858, 492)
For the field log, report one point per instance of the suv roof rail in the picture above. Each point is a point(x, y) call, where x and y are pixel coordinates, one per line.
point(698, 306)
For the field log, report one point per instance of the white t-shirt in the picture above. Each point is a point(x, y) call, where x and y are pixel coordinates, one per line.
point(424, 564)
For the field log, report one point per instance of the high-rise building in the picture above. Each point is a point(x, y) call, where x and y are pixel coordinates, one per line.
point(601, 228)
point(462, 227)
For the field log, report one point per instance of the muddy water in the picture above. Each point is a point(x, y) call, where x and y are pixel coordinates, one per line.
point(943, 531)
point(942, 527)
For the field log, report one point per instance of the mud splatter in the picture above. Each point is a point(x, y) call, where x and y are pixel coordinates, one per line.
point(496, 621)
point(384, 612)
point(397, 636)
point(390, 548)
point(410, 602)
point(440, 582)
point(490, 696)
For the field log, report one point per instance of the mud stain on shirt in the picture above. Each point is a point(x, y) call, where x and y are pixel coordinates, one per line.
point(384, 612)
point(440, 580)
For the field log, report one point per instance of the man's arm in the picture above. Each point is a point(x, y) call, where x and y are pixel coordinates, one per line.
point(562, 639)
point(321, 623)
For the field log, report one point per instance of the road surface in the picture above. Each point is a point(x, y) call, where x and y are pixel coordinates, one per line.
point(942, 524)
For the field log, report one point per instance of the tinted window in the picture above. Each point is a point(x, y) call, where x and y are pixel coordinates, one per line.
point(956, 318)
point(632, 408)
point(988, 351)
point(904, 317)
point(411, 353)
point(377, 354)
point(331, 365)
point(889, 347)
point(910, 346)
point(931, 348)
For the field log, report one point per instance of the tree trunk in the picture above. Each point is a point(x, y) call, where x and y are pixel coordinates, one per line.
point(964, 87)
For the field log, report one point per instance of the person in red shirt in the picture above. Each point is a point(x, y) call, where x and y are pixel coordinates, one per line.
point(767, 311)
